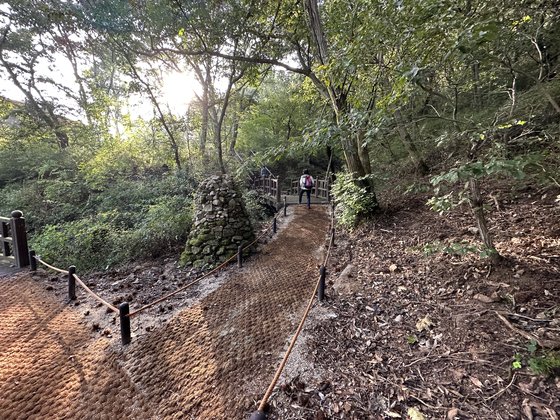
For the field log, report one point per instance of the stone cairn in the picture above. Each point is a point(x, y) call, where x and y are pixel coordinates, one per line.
point(221, 223)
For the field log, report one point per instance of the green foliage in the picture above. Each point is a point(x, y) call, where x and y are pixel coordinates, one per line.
point(452, 248)
point(87, 243)
point(516, 364)
point(98, 241)
point(444, 202)
point(539, 361)
point(46, 201)
point(547, 363)
point(163, 228)
point(353, 201)
point(129, 219)
point(255, 208)
point(478, 169)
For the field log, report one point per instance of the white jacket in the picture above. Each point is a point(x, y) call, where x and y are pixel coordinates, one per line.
point(302, 182)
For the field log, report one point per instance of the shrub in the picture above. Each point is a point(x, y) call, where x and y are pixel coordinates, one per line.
point(164, 227)
point(353, 202)
point(87, 243)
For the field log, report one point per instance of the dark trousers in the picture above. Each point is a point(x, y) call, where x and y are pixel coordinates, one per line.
point(308, 192)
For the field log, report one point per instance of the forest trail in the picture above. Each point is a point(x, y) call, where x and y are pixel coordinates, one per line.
point(213, 359)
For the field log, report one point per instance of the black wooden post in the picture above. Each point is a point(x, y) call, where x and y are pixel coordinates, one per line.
point(321, 291)
point(32, 261)
point(19, 239)
point(332, 236)
point(258, 415)
point(124, 310)
point(240, 256)
point(278, 191)
point(285, 205)
point(274, 227)
point(71, 283)
point(5, 232)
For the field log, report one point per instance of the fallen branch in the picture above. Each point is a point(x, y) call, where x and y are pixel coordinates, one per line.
point(501, 391)
point(525, 334)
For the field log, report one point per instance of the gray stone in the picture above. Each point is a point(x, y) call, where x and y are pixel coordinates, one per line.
point(221, 223)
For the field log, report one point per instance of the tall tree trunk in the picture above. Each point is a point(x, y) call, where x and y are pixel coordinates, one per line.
point(363, 151)
point(352, 150)
point(205, 110)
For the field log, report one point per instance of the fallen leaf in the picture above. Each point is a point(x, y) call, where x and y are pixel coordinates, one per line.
point(392, 414)
point(476, 382)
point(424, 324)
point(414, 414)
point(527, 409)
point(452, 414)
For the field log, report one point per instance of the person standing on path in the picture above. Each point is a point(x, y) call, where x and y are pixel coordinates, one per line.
point(306, 184)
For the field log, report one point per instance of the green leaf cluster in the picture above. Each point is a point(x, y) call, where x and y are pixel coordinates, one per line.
point(353, 201)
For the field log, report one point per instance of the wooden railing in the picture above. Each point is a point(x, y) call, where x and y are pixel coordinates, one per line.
point(269, 186)
point(320, 189)
point(13, 239)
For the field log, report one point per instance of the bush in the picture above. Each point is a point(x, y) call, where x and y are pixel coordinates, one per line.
point(164, 227)
point(96, 242)
point(87, 243)
point(353, 202)
point(257, 207)
point(129, 219)
point(46, 202)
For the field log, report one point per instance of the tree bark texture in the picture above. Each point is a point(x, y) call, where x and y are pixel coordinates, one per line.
point(478, 212)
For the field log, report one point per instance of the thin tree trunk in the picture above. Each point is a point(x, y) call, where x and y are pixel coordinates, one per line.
point(477, 100)
point(409, 145)
point(160, 114)
point(478, 212)
point(363, 151)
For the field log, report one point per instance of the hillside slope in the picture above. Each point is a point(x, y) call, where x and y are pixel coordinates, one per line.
point(418, 326)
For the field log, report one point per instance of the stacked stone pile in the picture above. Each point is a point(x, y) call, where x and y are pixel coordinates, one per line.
point(221, 223)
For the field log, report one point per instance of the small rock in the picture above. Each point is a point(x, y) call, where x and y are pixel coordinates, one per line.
point(483, 298)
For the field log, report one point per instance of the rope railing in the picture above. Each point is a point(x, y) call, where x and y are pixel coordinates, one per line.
point(94, 295)
point(317, 290)
point(73, 279)
point(72, 273)
point(52, 267)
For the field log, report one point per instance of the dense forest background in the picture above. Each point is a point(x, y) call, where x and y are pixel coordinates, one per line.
point(429, 95)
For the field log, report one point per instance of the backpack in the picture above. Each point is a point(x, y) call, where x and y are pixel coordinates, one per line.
point(308, 183)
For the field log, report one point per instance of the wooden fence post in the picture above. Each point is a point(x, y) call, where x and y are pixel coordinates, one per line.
point(19, 239)
point(321, 291)
point(71, 283)
point(124, 310)
point(5, 232)
point(32, 261)
point(278, 191)
point(240, 256)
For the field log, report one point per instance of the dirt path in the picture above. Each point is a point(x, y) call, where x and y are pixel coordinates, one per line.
point(213, 359)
